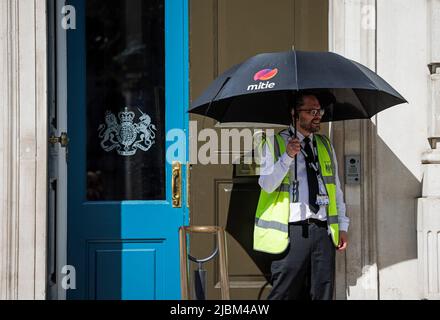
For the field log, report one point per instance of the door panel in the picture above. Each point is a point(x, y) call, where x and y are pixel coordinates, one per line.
point(146, 255)
point(127, 74)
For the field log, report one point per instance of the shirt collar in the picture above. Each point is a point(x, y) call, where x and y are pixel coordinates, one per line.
point(299, 134)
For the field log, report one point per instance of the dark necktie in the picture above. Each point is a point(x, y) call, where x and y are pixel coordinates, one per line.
point(312, 178)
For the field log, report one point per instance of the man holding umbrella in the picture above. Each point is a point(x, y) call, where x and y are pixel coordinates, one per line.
point(304, 245)
point(300, 217)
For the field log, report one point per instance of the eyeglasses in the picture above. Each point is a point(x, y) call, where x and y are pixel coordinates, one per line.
point(314, 112)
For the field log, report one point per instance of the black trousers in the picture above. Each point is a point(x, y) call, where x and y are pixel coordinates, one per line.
point(306, 270)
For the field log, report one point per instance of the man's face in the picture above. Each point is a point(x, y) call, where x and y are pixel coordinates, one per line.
point(307, 121)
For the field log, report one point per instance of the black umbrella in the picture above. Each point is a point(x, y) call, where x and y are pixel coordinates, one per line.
point(259, 89)
point(262, 89)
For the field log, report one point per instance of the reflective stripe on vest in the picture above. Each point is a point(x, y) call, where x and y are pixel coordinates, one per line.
point(271, 225)
point(272, 215)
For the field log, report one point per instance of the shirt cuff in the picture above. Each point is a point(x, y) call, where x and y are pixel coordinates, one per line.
point(286, 159)
point(343, 226)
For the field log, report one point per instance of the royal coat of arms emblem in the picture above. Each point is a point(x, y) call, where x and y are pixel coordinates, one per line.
point(127, 137)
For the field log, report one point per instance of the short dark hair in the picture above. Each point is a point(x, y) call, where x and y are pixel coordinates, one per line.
point(298, 99)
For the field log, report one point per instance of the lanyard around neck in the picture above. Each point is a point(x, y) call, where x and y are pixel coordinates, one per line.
point(312, 164)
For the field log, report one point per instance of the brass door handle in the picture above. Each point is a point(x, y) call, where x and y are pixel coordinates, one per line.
point(176, 184)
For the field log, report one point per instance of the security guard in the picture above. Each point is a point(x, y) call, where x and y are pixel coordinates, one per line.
point(301, 222)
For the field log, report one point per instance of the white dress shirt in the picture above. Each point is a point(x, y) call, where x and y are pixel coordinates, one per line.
point(272, 174)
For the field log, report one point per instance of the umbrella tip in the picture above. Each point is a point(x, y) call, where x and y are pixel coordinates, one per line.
point(293, 47)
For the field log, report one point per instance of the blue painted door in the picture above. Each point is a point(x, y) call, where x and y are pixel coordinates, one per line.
point(127, 67)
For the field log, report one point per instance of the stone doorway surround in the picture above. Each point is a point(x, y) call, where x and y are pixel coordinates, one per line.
point(23, 149)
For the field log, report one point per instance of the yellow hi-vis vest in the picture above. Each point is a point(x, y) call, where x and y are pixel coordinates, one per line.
point(271, 233)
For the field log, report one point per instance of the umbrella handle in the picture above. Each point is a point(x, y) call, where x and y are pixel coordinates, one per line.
point(296, 155)
point(295, 183)
point(296, 117)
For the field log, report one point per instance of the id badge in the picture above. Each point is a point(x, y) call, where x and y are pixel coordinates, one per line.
point(322, 200)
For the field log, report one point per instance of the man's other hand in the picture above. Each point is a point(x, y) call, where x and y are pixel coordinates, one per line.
point(343, 241)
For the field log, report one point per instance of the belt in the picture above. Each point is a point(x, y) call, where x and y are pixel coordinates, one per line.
point(309, 221)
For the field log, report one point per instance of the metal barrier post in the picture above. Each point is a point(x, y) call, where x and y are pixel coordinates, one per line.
point(200, 285)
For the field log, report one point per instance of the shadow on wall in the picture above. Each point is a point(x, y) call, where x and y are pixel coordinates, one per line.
point(397, 193)
point(397, 190)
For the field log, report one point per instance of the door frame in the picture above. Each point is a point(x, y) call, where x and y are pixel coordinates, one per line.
point(57, 239)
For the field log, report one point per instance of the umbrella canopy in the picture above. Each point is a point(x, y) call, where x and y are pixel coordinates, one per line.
point(260, 89)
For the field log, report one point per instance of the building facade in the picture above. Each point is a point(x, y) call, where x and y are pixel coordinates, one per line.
point(96, 216)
